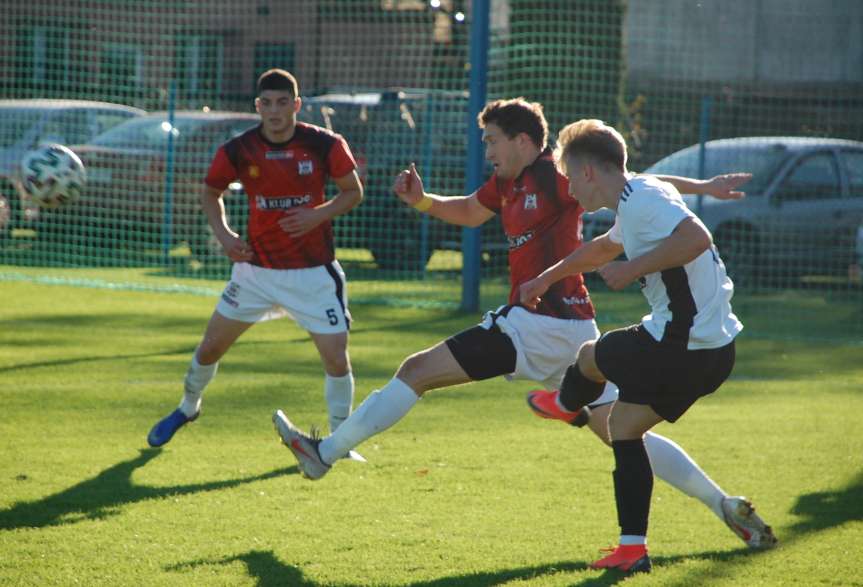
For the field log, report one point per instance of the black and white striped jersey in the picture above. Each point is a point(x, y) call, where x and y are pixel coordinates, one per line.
point(692, 303)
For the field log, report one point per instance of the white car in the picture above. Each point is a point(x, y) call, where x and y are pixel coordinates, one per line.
point(801, 213)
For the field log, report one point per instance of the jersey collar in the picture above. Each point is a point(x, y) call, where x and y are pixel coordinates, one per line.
point(260, 130)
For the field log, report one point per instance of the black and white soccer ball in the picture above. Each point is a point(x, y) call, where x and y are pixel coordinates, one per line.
point(52, 176)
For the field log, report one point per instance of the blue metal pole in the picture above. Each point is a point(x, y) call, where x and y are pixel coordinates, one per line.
point(167, 218)
point(703, 137)
point(479, 42)
point(426, 166)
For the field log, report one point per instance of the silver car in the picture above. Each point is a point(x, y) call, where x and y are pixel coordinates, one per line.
point(801, 212)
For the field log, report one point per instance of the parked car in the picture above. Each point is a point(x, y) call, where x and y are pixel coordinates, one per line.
point(126, 194)
point(25, 124)
point(801, 212)
point(387, 130)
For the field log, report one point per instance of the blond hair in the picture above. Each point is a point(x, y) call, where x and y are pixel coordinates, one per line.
point(592, 139)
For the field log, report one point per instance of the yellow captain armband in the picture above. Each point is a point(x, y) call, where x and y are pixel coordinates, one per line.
point(424, 204)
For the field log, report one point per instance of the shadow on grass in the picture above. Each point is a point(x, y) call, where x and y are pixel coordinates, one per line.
point(97, 358)
point(828, 509)
point(104, 495)
point(269, 571)
point(820, 511)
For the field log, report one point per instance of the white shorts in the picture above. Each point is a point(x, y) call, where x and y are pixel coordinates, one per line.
point(315, 297)
point(545, 346)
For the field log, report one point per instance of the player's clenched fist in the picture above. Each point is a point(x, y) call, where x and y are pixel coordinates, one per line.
point(408, 186)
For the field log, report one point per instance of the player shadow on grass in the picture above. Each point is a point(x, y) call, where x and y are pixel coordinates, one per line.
point(103, 495)
point(187, 350)
point(819, 511)
point(269, 571)
point(823, 510)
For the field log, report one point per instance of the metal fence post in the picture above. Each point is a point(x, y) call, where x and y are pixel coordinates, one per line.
point(479, 41)
point(167, 211)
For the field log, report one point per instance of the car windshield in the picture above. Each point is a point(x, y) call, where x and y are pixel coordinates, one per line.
point(15, 122)
point(148, 132)
point(762, 161)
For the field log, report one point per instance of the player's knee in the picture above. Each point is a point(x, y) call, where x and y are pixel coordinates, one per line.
point(622, 427)
point(411, 371)
point(587, 361)
point(337, 366)
point(209, 353)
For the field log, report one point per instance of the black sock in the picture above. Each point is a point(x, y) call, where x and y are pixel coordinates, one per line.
point(633, 485)
point(577, 391)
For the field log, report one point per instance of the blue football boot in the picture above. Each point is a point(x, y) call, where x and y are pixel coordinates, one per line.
point(165, 429)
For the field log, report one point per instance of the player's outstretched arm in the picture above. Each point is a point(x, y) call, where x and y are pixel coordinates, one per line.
point(688, 240)
point(585, 258)
point(213, 206)
point(460, 210)
point(721, 187)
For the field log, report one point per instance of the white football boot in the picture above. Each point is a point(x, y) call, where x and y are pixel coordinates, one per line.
point(304, 446)
point(740, 516)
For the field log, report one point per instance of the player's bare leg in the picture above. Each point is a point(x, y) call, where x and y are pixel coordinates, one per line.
point(432, 368)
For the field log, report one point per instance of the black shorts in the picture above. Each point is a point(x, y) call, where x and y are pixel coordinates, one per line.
point(483, 353)
point(667, 377)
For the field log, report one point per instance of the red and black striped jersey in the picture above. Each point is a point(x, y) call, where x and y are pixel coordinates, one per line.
point(543, 225)
point(280, 176)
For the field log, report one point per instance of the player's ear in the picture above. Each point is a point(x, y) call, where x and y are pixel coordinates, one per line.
point(258, 105)
point(298, 103)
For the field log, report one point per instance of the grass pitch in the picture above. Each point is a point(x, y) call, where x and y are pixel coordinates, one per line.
point(470, 489)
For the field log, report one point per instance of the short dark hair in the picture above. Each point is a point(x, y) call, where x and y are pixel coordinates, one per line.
point(516, 116)
point(278, 79)
point(593, 139)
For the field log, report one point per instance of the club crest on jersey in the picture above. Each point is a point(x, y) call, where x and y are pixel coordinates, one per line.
point(530, 202)
point(280, 154)
point(305, 167)
point(254, 171)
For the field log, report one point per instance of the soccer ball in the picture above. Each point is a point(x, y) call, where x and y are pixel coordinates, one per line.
point(52, 175)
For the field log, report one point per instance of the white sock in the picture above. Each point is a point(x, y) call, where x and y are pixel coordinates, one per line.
point(627, 539)
point(380, 410)
point(671, 464)
point(197, 378)
point(339, 393)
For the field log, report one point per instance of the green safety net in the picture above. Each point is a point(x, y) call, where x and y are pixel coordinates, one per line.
point(689, 83)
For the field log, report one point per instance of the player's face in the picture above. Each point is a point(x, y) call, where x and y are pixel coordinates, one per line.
point(582, 186)
point(278, 110)
point(501, 151)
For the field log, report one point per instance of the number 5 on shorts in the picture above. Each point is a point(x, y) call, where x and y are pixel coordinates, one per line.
point(333, 317)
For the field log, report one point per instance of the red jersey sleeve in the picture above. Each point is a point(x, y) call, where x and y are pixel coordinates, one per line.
point(340, 161)
point(222, 171)
point(488, 195)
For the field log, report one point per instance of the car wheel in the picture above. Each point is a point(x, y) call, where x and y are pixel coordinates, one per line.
point(738, 247)
point(401, 254)
point(7, 218)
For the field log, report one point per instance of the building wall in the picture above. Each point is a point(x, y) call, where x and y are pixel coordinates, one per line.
point(782, 41)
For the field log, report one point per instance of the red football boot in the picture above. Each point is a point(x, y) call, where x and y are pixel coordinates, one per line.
point(544, 404)
point(630, 558)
